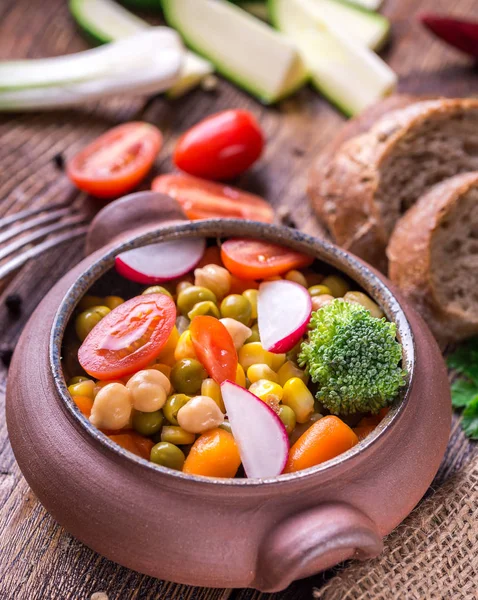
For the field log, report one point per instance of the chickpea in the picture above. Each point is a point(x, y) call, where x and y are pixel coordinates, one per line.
point(320, 301)
point(111, 407)
point(296, 277)
point(149, 390)
point(200, 414)
point(214, 278)
point(337, 285)
point(360, 298)
point(239, 332)
point(101, 384)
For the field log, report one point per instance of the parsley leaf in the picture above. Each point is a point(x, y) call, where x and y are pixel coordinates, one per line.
point(470, 419)
point(465, 360)
point(462, 392)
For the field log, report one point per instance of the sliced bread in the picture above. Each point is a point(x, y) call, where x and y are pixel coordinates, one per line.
point(374, 177)
point(433, 257)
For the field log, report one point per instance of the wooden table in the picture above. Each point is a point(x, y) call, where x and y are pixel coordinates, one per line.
point(38, 559)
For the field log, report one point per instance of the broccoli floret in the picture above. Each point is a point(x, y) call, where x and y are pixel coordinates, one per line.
point(354, 358)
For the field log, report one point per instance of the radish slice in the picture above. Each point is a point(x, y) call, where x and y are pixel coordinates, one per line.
point(284, 310)
point(160, 262)
point(259, 433)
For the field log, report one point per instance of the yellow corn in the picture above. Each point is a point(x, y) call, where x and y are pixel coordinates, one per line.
point(298, 397)
point(264, 389)
point(240, 376)
point(251, 295)
point(83, 388)
point(258, 371)
point(77, 379)
point(184, 348)
point(296, 277)
point(290, 370)
point(112, 301)
point(165, 369)
point(253, 353)
point(337, 285)
point(166, 356)
point(213, 390)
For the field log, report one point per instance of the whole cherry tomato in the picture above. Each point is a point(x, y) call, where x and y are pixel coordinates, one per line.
point(220, 147)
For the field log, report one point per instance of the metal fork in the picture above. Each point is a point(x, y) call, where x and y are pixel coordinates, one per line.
point(35, 231)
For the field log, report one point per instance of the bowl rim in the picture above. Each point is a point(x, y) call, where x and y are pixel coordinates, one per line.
point(322, 250)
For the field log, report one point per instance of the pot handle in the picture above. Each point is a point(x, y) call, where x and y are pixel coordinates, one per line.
point(313, 541)
point(134, 213)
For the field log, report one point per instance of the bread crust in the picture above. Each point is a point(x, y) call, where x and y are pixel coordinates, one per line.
point(344, 182)
point(409, 255)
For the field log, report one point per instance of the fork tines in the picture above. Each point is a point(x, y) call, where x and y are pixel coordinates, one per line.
point(34, 231)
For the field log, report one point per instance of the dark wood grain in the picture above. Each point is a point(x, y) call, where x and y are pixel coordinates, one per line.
point(38, 560)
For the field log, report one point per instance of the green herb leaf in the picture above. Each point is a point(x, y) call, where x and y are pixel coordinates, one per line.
point(462, 392)
point(465, 360)
point(470, 419)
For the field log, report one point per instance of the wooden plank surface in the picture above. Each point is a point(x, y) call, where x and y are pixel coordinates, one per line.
point(38, 560)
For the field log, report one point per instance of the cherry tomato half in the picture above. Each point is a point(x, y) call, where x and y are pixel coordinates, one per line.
point(129, 338)
point(220, 147)
point(214, 348)
point(201, 199)
point(253, 259)
point(117, 161)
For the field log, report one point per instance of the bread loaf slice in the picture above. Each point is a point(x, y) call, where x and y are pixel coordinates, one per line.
point(433, 257)
point(376, 176)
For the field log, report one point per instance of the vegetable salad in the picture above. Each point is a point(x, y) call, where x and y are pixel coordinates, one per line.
point(249, 364)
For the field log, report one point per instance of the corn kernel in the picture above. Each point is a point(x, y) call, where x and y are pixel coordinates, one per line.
point(263, 389)
point(298, 397)
point(166, 356)
point(296, 277)
point(319, 290)
point(240, 376)
point(258, 371)
point(290, 370)
point(251, 295)
point(213, 390)
point(184, 348)
point(253, 353)
point(83, 388)
point(165, 369)
point(277, 361)
point(337, 285)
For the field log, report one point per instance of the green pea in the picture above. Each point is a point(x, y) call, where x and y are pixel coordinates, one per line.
point(190, 296)
point(236, 307)
point(77, 379)
point(157, 289)
point(147, 423)
point(254, 337)
point(88, 319)
point(287, 416)
point(177, 435)
point(172, 406)
point(187, 376)
point(319, 290)
point(167, 455)
point(204, 308)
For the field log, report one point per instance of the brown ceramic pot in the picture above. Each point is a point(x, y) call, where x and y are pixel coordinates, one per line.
point(219, 532)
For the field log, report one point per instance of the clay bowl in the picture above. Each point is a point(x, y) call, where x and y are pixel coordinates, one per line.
point(219, 532)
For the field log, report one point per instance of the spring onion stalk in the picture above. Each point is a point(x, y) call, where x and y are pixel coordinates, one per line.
point(146, 63)
point(107, 21)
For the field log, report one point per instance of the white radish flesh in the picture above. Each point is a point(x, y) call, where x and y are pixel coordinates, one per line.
point(259, 433)
point(160, 262)
point(284, 310)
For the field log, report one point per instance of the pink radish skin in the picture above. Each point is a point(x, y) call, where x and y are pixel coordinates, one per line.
point(260, 434)
point(160, 262)
point(284, 310)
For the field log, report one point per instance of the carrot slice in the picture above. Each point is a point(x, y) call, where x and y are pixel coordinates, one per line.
point(326, 439)
point(213, 454)
point(135, 443)
point(85, 404)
